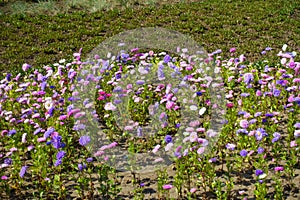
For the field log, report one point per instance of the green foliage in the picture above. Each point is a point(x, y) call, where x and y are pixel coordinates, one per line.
point(40, 39)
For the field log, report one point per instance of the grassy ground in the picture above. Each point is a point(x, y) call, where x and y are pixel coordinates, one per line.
point(38, 39)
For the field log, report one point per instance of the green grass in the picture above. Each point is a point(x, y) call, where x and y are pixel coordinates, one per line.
point(39, 39)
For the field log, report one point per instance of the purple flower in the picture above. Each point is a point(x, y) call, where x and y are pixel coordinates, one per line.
point(276, 92)
point(260, 150)
point(260, 133)
point(276, 137)
point(168, 139)
point(12, 132)
point(297, 125)
point(56, 141)
point(23, 171)
point(167, 58)
point(139, 131)
point(140, 82)
point(248, 78)
point(89, 160)
point(259, 172)
point(245, 94)
point(60, 155)
point(8, 161)
point(160, 73)
point(269, 115)
point(80, 167)
point(199, 93)
point(268, 49)
point(58, 162)
point(84, 140)
point(49, 132)
point(297, 100)
point(252, 121)
point(242, 131)
point(43, 85)
point(243, 153)
point(8, 77)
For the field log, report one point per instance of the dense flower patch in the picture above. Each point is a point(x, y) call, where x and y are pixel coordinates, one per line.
point(46, 120)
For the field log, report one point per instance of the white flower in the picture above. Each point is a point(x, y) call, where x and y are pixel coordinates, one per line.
point(284, 47)
point(193, 107)
point(109, 106)
point(202, 111)
point(297, 133)
point(48, 103)
point(168, 146)
point(262, 176)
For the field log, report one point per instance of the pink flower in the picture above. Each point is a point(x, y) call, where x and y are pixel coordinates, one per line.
point(201, 150)
point(25, 67)
point(232, 50)
point(62, 117)
point(167, 187)
point(36, 115)
point(258, 93)
point(293, 144)
point(244, 123)
point(42, 139)
point(170, 104)
point(193, 190)
point(156, 148)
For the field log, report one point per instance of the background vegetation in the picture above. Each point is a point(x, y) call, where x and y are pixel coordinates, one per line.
point(47, 31)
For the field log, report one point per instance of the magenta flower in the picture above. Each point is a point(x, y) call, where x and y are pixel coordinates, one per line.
point(167, 187)
point(279, 168)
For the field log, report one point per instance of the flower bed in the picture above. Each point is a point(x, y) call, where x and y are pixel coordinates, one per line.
point(51, 147)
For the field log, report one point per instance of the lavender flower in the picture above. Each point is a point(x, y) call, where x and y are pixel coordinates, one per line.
point(84, 140)
point(276, 137)
point(23, 171)
point(260, 133)
point(260, 150)
point(243, 153)
point(60, 155)
point(56, 141)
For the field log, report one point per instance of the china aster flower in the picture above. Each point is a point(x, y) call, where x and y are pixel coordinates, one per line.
point(84, 140)
point(260, 134)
